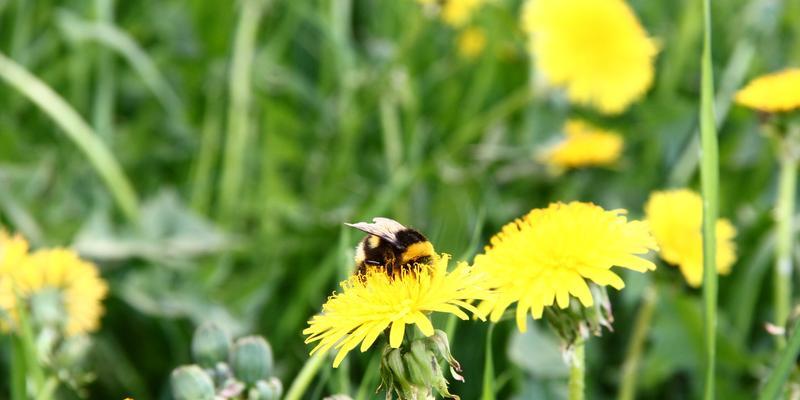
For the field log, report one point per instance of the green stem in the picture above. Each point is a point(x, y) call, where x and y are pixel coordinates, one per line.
point(306, 375)
point(784, 210)
point(577, 371)
point(709, 174)
point(774, 386)
point(238, 127)
point(18, 369)
point(368, 383)
point(630, 368)
point(488, 367)
point(76, 129)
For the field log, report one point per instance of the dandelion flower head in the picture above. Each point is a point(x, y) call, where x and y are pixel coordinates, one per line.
point(457, 13)
point(13, 252)
point(584, 146)
point(372, 302)
point(596, 49)
point(471, 42)
point(76, 283)
point(776, 92)
point(549, 255)
point(676, 218)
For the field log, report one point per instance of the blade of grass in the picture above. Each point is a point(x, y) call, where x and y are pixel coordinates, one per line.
point(122, 43)
point(761, 22)
point(207, 157)
point(238, 124)
point(774, 386)
point(709, 173)
point(76, 129)
point(103, 109)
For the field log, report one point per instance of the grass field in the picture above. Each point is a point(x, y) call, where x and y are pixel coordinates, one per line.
point(206, 155)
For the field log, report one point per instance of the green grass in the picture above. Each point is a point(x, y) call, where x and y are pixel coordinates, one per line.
point(206, 154)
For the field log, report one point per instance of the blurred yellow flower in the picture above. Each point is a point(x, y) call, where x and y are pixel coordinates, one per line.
point(596, 49)
point(13, 253)
point(584, 146)
point(676, 218)
point(549, 254)
point(776, 92)
point(373, 302)
point(457, 13)
point(471, 42)
point(76, 285)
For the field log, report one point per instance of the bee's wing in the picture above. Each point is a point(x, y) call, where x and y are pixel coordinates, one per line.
point(384, 228)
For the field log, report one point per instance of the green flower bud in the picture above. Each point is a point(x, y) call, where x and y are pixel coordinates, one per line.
point(416, 373)
point(267, 390)
point(210, 345)
point(251, 359)
point(189, 382)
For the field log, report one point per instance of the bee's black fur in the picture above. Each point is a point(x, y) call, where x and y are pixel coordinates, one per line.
point(389, 254)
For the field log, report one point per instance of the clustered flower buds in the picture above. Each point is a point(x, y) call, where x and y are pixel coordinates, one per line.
point(413, 370)
point(242, 371)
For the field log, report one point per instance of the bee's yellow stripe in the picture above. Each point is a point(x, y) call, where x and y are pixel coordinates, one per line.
point(416, 250)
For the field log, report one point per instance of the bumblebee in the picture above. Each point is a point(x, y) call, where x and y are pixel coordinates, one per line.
point(391, 246)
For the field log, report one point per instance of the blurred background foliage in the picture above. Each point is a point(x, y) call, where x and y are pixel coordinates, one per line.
point(251, 130)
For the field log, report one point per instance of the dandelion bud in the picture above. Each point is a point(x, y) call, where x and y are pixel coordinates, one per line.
point(191, 383)
point(266, 390)
point(210, 345)
point(251, 359)
point(413, 371)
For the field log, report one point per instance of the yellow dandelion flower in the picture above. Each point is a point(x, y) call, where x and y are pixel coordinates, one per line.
point(776, 92)
point(78, 284)
point(471, 42)
point(584, 146)
point(549, 254)
point(676, 218)
point(13, 250)
point(457, 13)
point(371, 303)
point(13, 253)
point(596, 49)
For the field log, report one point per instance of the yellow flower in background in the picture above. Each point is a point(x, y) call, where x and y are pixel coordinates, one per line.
point(776, 92)
point(549, 254)
point(13, 252)
point(676, 218)
point(471, 42)
point(457, 13)
point(584, 146)
point(371, 303)
point(596, 49)
point(74, 285)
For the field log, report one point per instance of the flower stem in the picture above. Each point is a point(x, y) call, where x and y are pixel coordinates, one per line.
point(709, 176)
point(306, 375)
point(784, 211)
point(630, 367)
point(488, 392)
point(774, 386)
point(577, 371)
